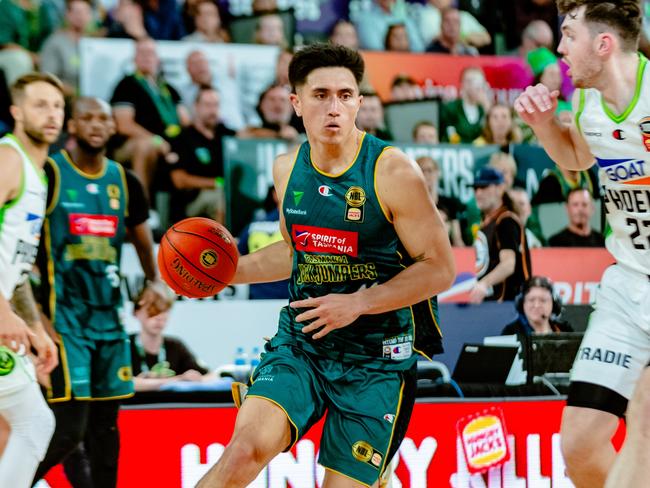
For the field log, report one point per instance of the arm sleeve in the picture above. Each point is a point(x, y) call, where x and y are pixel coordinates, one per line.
point(509, 234)
point(137, 205)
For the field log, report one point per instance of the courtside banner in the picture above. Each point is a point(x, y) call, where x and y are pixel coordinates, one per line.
point(575, 283)
point(174, 447)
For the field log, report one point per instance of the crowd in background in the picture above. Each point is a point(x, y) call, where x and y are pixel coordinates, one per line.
point(171, 136)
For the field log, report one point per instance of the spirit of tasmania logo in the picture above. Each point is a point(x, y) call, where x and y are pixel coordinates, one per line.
point(93, 225)
point(320, 239)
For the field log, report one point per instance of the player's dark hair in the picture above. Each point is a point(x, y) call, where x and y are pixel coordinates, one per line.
point(18, 88)
point(321, 55)
point(621, 16)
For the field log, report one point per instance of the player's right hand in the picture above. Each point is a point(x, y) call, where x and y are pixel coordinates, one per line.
point(14, 332)
point(46, 352)
point(537, 105)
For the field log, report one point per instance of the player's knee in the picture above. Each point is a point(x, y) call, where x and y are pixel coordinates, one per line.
point(42, 425)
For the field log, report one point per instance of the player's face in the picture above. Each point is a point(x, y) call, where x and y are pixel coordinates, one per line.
point(92, 124)
point(39, 113)
point(538, 304)
point(328, 103)
point(577, 50)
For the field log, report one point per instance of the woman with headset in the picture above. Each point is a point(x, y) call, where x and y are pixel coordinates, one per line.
point(538, 310)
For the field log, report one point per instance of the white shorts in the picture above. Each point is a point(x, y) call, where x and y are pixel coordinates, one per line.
point(616, 346)
point(16, 373)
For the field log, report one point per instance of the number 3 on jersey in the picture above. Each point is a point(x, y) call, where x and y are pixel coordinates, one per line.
point(639, 226)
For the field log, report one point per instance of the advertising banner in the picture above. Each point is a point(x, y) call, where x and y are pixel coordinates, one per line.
point(439, 74)
point(174, 447)
point(574, 282)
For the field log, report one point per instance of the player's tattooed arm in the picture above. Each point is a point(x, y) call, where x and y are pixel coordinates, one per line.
point(419, 258)
point(25, 305)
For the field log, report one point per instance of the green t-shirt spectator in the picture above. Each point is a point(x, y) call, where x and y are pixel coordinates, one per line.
point(27, 27)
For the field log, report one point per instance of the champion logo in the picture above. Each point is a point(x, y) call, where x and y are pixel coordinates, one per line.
point(618, 135)
point(325, 191)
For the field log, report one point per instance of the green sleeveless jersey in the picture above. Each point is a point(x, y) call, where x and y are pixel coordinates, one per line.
point(83, 234)
point(343, 241)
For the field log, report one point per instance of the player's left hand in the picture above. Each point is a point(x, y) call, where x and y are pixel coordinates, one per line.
point(156, 298)
point(328, 313)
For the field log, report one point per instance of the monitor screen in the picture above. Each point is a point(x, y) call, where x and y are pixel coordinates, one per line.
point(553, 353)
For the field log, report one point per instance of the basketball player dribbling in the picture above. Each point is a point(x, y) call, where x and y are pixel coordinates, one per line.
point(365, 250)
point(37, 109)
point(612, 129)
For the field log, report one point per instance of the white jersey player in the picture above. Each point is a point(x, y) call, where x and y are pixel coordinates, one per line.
point(612, 129)
point(38, 113)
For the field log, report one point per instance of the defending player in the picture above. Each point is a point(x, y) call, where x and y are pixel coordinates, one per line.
point(38, 113)
point(365, 250)
point(612, 129)
point(92, 205)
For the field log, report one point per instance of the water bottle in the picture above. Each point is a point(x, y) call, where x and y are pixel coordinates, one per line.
point(255, 357)
point(240, 357)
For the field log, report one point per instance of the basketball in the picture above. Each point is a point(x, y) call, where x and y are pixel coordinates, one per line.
point(197, 257)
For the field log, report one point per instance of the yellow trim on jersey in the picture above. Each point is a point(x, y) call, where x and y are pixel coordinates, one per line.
point(126, 188)
point(392, 432)
point(374, 182)
point(50, 268)
point(354, 160)
point(99, 175)
point(67, 395)
point(346, 476)
point(293, 165)
point(285, 412)
point(119, 397)
point(56, 187)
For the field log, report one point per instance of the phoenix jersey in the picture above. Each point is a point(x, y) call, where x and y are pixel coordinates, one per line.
point(83, 235)
point(343, 241)
point(20, 223)
point(621, 146)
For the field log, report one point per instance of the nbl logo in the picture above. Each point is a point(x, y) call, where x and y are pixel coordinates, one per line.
point(209, 258)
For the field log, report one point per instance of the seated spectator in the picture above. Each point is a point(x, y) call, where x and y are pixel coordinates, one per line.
point(372, 24)
point(545, 68)
point(556, 183)
point(126, 21)
point(276, 114)
point(60, 52)
point(282, 68)
point(448, 207)
point(449, 40)
point(157, 360)
point(471, 31)
point(535, 35)
point(502, 254)
point(580, 209)
point(522, 12)
point(198, 67)
point(148, 114)
point(207, 22)
point(405, 88)
point(198, 175)
point(397, 39)
point(499, 128)
point(344, 33)
point(270, 31)
point(162, 19)
point(264, 230)
point(461, 120)
point(538, 310)
point(260, 7)
point(506, 165)
point(24, 26)
point(370, 117)
point(519, 197)
point(425, 132)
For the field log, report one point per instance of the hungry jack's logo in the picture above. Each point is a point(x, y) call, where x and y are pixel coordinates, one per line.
point(484, 439)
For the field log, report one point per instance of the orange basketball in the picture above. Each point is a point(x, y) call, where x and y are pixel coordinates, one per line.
point(197, 257)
